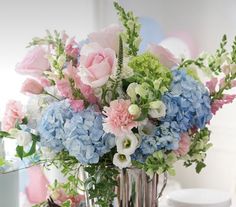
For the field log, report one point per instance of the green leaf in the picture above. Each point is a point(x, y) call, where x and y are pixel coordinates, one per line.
point(200, 166)
point(20, 151)
point(2, 161)
point(143, 115)
point(4, 134)
point(66, 203)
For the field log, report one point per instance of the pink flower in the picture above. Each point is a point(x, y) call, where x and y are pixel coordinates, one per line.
point(72, 48)
point(64, 86)
point(31, 86)
point(217, 104)
point(34, 63)
point(107, 37)
point(184, 144)
point(233, 83)
point(118, 120)
point(225, 67)
point(13, 114)
point(44, 82)
point(211, 85)
point(77, 105)
point(165, 57)
point(96, 64)
point(222, 82)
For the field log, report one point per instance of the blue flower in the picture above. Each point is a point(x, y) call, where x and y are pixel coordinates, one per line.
point(187, 103)
point(86, 139)
point(51, 125)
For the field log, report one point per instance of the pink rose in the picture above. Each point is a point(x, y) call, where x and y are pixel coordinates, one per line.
point(165, 57)
point(34, 63)
point(97, 64)
point(31, 86)
point(184, 144)
point(13, 114)
point(107, 37)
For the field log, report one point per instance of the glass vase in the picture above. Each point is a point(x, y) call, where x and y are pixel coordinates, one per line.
point(135, 189)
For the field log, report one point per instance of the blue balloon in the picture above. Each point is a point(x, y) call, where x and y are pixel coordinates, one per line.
point(151, 32)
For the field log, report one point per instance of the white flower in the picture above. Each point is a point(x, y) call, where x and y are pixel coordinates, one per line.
point(23, 138)
point(157, 109)
point(131, 91)
point(127, 144)
point(141, 90)
point(127, 71)
point(121, 160)
point(134, 110)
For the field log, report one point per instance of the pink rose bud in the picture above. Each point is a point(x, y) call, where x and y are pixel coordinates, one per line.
point(34, 63)
point(165, 57)
point(31, 86)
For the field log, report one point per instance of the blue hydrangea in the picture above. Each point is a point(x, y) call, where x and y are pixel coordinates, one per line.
point(187, 102)
point(188, 105)
point(51, 125)
point(86, 139)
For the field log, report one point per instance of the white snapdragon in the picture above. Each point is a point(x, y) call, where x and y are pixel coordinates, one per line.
point(131, 91)
point(127, 144)
point(122, 160)
point(157, 109)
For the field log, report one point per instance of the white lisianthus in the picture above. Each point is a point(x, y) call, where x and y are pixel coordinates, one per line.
point(157, 109)
point(131, 91)
point(122, 160)
point(127, 144)
point(134, 110)
point(141, 90)
point(22, 138)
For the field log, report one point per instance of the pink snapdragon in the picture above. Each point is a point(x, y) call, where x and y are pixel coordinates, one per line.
point(184, 145)
point(211, 85)
point(34, 63)
point(217, 104)
point(72, 48)
point(13, 114)
point(77, 105)
point(96, 65)
point(165, 57)
point(31, 86)
point(107, 37)
point(118, 120)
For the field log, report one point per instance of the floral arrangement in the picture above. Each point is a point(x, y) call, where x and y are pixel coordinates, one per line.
point(101, 104)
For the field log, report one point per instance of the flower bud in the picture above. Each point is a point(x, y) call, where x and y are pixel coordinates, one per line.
point(134, 110)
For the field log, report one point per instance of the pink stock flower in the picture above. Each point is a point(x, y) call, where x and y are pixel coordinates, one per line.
point(72, 48)
point(31, 86)
point(107, 37)
point(13, 114)
point(77, 105)
point(217, 104)
point(34, 63)
point(96, 64)
point(118, 120)
point(211, 85)
point(165, 57)
point(184, 144)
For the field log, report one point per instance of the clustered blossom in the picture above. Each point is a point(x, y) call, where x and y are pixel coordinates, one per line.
point(85, 137)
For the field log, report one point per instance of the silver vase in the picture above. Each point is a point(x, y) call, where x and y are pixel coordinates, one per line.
point(135, 189)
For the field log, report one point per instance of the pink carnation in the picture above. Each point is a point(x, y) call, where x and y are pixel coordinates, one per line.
point(184, 144)
point(118, 120)
point(13, 114)
point(217, 104)
point(211, 85)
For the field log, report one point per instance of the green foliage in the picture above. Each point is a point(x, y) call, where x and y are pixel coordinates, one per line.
point(132, 28)
point(101, 183)
point(20, 149)
point(158, 162)
point(4, 134)
point(198, 148)
point(2, 161)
